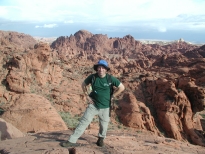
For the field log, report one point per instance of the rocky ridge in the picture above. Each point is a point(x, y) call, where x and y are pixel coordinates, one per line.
point(164, 84)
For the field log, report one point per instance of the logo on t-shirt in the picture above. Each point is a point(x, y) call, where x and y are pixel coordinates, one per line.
point(105, 84)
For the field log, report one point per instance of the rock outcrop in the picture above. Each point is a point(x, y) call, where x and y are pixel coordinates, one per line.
point(33, 113)
point(164, 82)
point(17, 40)
point(174, 109)
point(8, 131)
point(136, 114)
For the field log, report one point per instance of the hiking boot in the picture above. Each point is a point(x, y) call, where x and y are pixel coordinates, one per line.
point(100, 142)
point(68, 144)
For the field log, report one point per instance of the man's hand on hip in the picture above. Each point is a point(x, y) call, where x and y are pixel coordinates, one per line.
point(90, 101)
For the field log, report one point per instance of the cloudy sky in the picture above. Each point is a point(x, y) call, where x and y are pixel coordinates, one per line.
point(143, 19)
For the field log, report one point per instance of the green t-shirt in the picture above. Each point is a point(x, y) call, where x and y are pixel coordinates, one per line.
point(101, 90)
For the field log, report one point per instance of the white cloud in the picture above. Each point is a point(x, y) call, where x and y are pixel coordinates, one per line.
point(104, 9)
point(47, 26)
point(68, 22)
point(152, 13)
point(3, 11)
point(198, 25)
point(46, 10)
point(149, 9)
point(162, 29)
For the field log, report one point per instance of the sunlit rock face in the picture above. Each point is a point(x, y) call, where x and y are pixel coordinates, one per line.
point(164, 82)
point(175, 106)
point(33, 113)
point(136, 114)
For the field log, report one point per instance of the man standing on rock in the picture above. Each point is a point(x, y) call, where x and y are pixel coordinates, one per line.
point(99, 102)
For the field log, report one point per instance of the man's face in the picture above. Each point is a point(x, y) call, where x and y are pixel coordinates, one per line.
point(101, 71)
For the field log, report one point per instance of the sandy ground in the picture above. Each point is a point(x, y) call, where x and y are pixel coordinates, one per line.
point(116, 143)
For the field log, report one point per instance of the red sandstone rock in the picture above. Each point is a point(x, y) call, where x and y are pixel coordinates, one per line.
point(136, 115)
point(8, 131)
point(166, 79)
point(33, 113)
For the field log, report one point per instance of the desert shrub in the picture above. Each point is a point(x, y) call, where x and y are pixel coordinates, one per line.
point(111, 126)
point(115, 126)
point(71, 121)
point(117, 119)
point(203, 115)
point(120, 126)
point(139, 131)
point(1, 111)
point(95, 119)
point(179, 90)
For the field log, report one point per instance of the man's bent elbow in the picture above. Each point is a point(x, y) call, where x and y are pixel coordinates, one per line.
point(83, 84)
point(121, 87)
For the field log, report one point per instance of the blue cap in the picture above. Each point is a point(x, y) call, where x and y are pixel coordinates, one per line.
point(101, 63)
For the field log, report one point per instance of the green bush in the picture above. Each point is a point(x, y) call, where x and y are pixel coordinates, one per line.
point(111, 126)
point(71, 121)
point(1, 111)
point(203, 115)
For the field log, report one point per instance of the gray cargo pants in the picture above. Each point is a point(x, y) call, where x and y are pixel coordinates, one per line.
point(88, 116)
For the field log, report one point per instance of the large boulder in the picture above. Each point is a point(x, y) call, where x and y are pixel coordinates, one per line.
point(8, 131)
point(135, 114)
point(34, 113)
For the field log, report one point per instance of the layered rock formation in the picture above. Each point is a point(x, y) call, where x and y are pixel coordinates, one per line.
point(175, 107)
point(17, 40)
point(164, 83)
point(136, 114)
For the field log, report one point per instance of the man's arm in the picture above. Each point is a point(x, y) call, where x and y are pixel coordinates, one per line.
point(120, 89)
point(84, 88)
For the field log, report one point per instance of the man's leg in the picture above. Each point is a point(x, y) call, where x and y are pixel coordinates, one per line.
point(104, 120)
point(90, 112)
